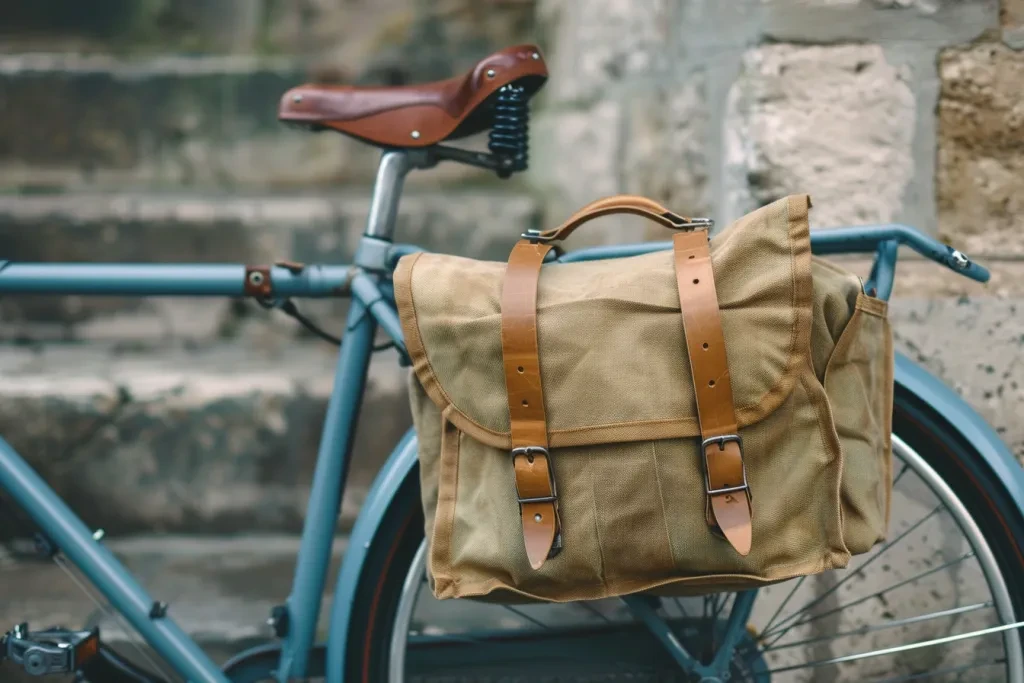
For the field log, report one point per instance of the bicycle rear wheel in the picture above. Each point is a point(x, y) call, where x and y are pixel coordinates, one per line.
point(951, 565)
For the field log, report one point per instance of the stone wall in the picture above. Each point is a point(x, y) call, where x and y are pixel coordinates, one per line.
point(882, 110)
point(146, 132)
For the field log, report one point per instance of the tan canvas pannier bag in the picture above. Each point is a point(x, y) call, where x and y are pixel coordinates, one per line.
point(575, 443)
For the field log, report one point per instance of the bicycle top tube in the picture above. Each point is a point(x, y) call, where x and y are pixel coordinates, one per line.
point(201, 280)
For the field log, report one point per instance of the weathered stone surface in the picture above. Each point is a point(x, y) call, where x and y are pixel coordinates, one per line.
point(576, 159)
point(398, 41)
point(595, 45)
point(202, 121)
point(666, 147)
point(980, 172)
point(147, 25)
point(209, 229)
point(921, 22)
point(837, 122)
point(219, 441)
point(973, 344)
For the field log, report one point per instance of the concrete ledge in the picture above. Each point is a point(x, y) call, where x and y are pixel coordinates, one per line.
point(218, 441)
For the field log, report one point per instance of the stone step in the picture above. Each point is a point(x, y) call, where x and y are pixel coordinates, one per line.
point(74, 121)
point(220, 591)
point(177, 227)
point(221, 440)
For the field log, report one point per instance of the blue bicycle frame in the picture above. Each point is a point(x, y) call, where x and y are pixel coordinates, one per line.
point(367, 283)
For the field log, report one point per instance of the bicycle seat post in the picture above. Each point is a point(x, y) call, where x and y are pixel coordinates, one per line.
point(387, 191)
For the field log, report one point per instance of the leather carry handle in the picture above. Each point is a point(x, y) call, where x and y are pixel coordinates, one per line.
point(728, 508)
point(622, 203)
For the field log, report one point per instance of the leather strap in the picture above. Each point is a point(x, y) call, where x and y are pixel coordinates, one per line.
point(728, 500)
point(622, 203)
point(535, 482)
point(728, 508)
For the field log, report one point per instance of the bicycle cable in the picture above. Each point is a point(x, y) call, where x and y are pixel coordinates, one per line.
point(288, 307)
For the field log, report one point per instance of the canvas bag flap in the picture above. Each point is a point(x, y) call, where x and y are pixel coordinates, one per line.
point(612, 353)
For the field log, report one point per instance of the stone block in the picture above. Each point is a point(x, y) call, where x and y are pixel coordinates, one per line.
point(595, 45)
point(666, 147)
point(219, 441)
point(980, 169)
point(836, 122)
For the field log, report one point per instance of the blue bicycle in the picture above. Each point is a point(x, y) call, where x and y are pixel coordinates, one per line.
point(942, 599)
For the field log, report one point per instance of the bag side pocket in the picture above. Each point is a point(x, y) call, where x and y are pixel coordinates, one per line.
point(859, 385)
point(444, 522)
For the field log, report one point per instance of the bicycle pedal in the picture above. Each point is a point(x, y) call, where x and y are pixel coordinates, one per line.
point(51, 651)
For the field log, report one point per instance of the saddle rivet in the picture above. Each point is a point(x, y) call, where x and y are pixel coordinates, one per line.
point(415, 135)
point(490, 73)
point(537, 517)
point(296, 98)
point(536, 55)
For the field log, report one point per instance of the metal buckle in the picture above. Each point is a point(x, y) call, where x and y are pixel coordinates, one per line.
point(528, 451)
point(535, 236)
point(721, 441)
point(693, 224)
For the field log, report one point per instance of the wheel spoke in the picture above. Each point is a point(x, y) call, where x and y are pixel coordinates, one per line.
point(955, 611)
point(799, 582)
point(900, 648)
point(816, 601)
point(876, 594)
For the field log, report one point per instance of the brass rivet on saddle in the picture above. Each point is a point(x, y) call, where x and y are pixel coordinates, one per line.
point(415, 135)
point(490, 73)
point(296, 98)
point(536, 55)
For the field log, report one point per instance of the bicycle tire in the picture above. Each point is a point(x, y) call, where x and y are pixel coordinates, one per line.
point(955, 460)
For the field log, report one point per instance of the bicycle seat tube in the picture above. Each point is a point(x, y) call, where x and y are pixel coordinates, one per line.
point(387, 189)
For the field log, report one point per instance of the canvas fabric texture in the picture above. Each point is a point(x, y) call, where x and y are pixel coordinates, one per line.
point(811, 362)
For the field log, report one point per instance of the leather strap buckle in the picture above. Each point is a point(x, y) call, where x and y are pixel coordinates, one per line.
point(552, 500)
point(529, 452)
point(720, 441)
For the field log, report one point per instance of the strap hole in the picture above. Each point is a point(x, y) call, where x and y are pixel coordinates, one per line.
point(538, 517)
point(691, 257)
point(520, 370)
point(705, 346)
point(711, 382)
point(526, 404)
point(695, 280)
point(529, 459)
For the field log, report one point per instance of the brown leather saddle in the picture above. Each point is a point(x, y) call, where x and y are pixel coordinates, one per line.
point(417, 115)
